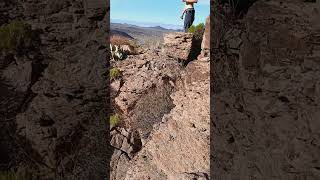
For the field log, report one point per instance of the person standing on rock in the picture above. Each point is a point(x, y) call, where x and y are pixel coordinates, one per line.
point(190, 12)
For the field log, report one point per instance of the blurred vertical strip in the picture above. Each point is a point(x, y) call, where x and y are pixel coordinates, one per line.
point(108, 94)
point(54, 89)
point(212, 37)
point(265, 89)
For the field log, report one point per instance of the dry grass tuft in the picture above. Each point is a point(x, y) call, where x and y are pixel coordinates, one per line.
point(15, 35)
point(114, 120)
point(114, 73)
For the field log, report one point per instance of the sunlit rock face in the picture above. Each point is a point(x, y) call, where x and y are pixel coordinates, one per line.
point(165, 106)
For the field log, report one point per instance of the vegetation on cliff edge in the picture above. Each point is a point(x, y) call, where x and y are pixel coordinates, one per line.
point(15, 35)
point(114, 73)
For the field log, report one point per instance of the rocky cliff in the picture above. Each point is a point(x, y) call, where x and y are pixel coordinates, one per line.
point(164, 108)
point(265, 92)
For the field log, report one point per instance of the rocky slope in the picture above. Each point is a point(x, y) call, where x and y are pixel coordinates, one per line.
point(165, 107)
point(55, 95)
point(265, 92)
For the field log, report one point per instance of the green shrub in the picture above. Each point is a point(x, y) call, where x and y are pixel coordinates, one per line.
point(114, 73)
point(197, 31)
point(114, 120)
point(193, 28)
point(15, 35)
point(10, 175)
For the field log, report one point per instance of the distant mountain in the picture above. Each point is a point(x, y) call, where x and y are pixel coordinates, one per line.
point(134, 30)
point(159, 27)
point(120, 33)
point(147, 36)
point(148, 24)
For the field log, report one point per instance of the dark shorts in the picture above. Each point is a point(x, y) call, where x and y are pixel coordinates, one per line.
point(188, 19)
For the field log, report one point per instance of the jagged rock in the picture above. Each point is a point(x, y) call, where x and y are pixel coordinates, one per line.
point(178, 45)
point(119, 165)
point(122, 143)
point(124, 140)
point(125, 143)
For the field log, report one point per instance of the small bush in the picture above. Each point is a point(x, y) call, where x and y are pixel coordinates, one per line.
point(197, 31)
point(194, 29)
point(10, 175)
point(114, 120)
point(15, 35)
point(114, 73)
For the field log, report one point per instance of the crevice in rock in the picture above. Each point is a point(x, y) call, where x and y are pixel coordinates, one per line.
point(14, 149)
point(137, 143)
point(123, 153)
point(195, 50)
point(151, 108)
point(37, 70)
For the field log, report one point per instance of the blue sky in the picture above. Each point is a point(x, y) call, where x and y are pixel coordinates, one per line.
point(156, 11)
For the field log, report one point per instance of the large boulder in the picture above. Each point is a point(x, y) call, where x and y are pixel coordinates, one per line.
point(178, 45)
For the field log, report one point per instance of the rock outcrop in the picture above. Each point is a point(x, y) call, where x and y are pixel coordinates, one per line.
point(154, 96)
point(178, 45)
point(265, 90)
point(144, 95)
